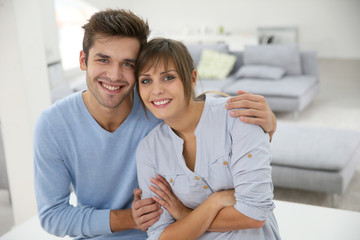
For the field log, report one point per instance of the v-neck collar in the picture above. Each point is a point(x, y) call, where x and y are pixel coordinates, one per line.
point(135, 107)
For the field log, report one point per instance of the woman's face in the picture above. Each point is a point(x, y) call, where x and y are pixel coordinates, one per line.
point(162, 91)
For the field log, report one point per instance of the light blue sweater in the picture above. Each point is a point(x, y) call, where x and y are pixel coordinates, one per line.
point(70, 147)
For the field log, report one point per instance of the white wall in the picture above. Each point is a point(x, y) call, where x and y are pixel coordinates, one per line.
point(331, 27)
point(24, 93)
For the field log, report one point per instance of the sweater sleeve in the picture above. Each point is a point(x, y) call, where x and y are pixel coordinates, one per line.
point(251, 170)
point(52, 190)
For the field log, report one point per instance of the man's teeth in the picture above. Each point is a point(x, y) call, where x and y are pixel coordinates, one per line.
point(110, 87)
point(162, 102)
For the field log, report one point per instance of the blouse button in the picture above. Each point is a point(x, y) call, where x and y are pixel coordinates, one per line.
point(225, 163)
point(249, 155)
point(171, 180)
point(197, 178)
point(205, 187)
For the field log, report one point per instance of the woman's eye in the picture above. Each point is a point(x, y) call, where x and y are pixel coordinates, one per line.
point(168, 78)
point(145, 81)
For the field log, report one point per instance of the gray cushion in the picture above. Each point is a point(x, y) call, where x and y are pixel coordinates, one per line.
point(289, 86)
point(314, 147)
point(195, 50)
point(260, 71)
point(204, 85)
point(286, 56)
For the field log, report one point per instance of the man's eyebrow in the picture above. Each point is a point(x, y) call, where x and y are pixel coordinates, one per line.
point(130, 60)
point(102, 55)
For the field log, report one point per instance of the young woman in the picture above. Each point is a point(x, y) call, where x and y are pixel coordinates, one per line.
point(215, 164)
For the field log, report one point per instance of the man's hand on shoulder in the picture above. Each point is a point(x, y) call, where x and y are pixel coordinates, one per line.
point(254, 110)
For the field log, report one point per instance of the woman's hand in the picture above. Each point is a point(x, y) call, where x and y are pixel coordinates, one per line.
point(255, 110)
point(168, 199)
point(224, 198)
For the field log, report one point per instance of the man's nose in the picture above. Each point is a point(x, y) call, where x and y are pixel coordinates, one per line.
point(115, 72)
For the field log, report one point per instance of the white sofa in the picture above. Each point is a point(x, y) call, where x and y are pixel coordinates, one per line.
point(291, 92)
point(314, 158)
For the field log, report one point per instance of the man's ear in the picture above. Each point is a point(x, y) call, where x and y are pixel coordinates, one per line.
point(82, 60)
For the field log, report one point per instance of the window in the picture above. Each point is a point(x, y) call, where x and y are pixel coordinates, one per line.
point(71, 15)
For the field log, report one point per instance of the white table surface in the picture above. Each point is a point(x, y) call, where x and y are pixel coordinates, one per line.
point(296, 222)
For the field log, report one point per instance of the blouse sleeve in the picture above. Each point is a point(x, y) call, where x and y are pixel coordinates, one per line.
point(251, 170)
point(146, 169)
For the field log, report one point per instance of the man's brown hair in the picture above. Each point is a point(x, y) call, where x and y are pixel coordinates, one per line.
point(114, 22)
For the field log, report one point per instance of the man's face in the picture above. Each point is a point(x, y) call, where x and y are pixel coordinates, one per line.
point(110, 73)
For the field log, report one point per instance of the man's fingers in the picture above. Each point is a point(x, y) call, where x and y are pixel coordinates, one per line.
point(147, 209)
point(137, 194)
point(239, 92)
point(251, 120)
point(145, 225)
point(142, 203)
point(246, 104)
point(146, 220)
point(248, 113)
point(246, 96)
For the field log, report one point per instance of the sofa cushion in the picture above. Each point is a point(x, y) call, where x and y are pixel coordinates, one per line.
point(195, 50)
point(311, 147)
point(260, 72)
point(214, 64)
point(204, 85)
point(286, 56)
point(289, 86)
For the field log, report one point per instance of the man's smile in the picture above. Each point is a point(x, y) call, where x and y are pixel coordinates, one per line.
point(111, 87)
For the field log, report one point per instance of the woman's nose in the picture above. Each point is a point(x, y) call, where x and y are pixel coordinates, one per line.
point(157, 88)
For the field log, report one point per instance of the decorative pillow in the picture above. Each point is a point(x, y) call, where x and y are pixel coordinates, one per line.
point(286, 56)
point(260, 71)
point(196, 49)
point(215, 65)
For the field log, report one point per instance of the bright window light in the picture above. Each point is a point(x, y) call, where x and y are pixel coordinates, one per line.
point(71, 15)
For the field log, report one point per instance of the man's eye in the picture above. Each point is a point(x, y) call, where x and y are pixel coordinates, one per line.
point(103, 60)
point(145, 81)
point(129, 65)
point(168, 78)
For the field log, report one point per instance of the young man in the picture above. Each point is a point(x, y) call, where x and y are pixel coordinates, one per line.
point(88, 139)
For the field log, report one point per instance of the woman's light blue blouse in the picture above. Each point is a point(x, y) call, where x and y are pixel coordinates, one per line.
point(230, 154)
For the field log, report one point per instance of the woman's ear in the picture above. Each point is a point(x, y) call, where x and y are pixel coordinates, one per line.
point(82, 59)
point(193, 78)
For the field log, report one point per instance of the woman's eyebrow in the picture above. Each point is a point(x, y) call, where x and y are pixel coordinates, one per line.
point(168, 71)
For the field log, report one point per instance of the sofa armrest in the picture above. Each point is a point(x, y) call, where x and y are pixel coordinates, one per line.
point(309, 63)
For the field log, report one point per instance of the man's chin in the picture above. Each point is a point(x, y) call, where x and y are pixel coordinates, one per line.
point(112, 104)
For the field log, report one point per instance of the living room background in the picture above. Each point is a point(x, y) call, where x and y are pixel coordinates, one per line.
point(331, 27)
